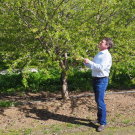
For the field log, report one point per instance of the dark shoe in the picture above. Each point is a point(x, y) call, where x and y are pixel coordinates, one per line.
point(101, 128)
point(94, 121)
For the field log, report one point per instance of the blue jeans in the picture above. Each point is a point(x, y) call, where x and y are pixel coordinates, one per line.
point(99, 87)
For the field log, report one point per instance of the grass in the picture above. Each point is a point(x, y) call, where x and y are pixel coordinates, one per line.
point(113, 119)
point(52, 126)
point(73, 130)
point(46, 131)
point(88, 117)
point(118, 115)
point(56, 129)
point(21, 94)
point(78, 125)
point(126, 122)
point(6, 104)
point(27, 131)
point(69, 125)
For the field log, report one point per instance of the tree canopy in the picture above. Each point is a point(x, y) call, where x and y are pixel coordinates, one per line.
point(55, 31)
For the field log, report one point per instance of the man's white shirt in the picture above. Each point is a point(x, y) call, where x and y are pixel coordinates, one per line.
point(101, 64)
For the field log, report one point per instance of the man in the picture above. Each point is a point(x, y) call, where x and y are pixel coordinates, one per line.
point(100, 66)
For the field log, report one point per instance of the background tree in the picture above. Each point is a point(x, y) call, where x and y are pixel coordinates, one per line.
point(55, 31)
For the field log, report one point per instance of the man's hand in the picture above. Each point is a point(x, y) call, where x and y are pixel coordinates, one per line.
point(86, 60)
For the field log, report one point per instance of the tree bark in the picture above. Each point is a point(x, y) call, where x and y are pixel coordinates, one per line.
point(64, 79)
point(64, 85)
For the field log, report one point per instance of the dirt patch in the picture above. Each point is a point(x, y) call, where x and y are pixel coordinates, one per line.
point(78, 111)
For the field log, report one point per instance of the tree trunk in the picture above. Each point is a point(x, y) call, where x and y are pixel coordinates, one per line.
point(64, 78)
point(64, 85)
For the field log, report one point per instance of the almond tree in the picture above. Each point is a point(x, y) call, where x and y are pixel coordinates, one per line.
point(55, 31)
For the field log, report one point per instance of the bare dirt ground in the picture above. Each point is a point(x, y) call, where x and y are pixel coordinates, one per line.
point(64, 116)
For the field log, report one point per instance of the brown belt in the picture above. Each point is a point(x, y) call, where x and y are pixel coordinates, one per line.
point(98, 77)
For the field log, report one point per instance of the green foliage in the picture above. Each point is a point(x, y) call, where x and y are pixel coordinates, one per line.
point(79, 79)
point(3, 65)
point(122, 76)
point(44, 28)
point(41, 33)
point(10, 83)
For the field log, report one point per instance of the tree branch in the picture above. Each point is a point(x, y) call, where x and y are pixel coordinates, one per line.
point(130, 21)
point(54, 12)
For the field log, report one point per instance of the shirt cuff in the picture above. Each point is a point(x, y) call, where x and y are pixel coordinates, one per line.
point(89, 65)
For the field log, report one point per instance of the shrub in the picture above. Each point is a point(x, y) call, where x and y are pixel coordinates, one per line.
point(78, 80)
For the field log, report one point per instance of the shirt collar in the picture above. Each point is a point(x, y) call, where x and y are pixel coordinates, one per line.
point(104, 51)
